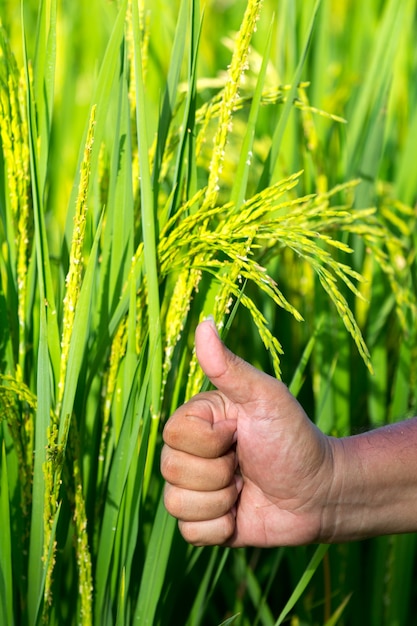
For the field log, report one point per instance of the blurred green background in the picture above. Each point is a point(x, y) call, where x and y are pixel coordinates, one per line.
point(353, 118)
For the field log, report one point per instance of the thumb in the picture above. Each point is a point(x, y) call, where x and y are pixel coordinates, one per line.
point(234, 377)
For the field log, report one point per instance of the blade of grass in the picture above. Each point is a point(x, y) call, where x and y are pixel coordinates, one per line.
point(406, 181)
point(171, 90)
point(273, 569)
point(46, 290)
point(238, 192)
point(133, 424)
point(130, 529)
point(230, 620)
point(148, 223)
point(270, 171)
point(341, 383)
point(149, 233)
point(402, 388)
point(206, 587)
point(157, 555)
point(120, 199)
point(304, 580)
point(44, 78)
point(376, 80)
point(101, 97)
point(399, 580)
point(48, 336)
point(186, 161)
point(390, 591)
point(334, 619)
point(297, 379)
point(6, 580)
point(256, 592)
point(379, 311)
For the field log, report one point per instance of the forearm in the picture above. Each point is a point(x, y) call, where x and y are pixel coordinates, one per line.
point(374, 491)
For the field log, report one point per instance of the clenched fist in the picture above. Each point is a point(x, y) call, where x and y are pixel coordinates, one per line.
point(244, 465)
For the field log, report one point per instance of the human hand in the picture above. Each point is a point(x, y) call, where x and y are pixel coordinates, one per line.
point(243, 463)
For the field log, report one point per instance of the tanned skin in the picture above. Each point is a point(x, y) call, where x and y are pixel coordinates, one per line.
point(245, 466)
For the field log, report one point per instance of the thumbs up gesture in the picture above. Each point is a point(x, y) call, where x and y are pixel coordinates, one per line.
point(243, 464)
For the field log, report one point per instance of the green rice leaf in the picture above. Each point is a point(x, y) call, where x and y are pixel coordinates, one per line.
point(153, 576)
point(6, 580)
point(270, 172)
point(148, 223)
point(303, 582)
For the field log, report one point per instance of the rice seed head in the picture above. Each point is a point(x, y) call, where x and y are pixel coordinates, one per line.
point(117, 352)
point(76, 265)
point(179, 306)
point(230, 93)
point(14, 137)
point(18, 407)
point(82, 549)
point(52, 472)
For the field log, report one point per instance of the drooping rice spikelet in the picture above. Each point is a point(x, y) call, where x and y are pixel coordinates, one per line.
point(303, 226)
point(179, 306)
point(399, 258)
point(18, 407)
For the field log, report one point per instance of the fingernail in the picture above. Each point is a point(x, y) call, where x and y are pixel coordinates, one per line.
point(211, 321)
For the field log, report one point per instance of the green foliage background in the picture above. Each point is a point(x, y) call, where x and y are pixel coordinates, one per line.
point(162, 161)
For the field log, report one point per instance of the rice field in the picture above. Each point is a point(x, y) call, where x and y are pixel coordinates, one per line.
point(162, 161)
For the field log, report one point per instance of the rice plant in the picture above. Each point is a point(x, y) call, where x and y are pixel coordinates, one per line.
point(165, 161)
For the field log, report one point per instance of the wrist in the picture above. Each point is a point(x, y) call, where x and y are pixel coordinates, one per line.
point(373, 490)
point(343, 510)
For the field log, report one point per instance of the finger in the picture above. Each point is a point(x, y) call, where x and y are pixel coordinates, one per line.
point(209, 532)
point(198, 436)
point(196, 506)
point(193, 472)
point(234, 377)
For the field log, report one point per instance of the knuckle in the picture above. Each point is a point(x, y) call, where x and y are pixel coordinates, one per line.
point(213, 532)
point(221, 502)
point(198, 473)
point(171, 500)
point(195, 506)
point(191, 533)
point(169, 466)
point(227, 528)
point(172, 431)
point(225, 471)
